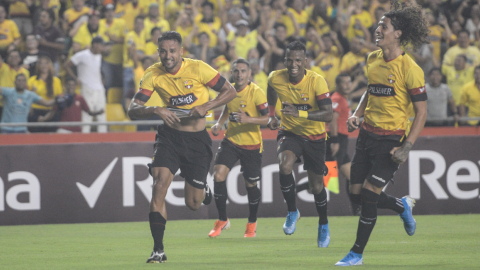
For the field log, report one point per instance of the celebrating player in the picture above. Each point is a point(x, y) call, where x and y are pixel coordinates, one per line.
point(394, 81)
point(180, 143)
point(243, 141)
point(306, 106)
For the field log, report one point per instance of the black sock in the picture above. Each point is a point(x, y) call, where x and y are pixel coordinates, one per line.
point(287, 185)
point(220, 194)
point(253, 202)
point(386, 201)
point(355, 198)
point(321, 205)
point(302, 187)
point(367, 221)
point(157, 227)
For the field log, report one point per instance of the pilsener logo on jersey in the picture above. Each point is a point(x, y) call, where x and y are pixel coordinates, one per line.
point(301, 107)
point(183, 100)
point(381, 90)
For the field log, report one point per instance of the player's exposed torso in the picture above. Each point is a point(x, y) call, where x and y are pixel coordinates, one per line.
point(390, 86)
point(304, 96)
point(250, 100)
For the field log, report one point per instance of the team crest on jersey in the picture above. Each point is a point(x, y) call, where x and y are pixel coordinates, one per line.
point(391, 79)
point(243, 104)
point(304, 97)
point(188, 84)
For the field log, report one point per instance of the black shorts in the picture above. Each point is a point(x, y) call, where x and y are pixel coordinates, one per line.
point(191, 152)
point(372, 160)
point(251, 160)
point(313, 152)
point(342, 156)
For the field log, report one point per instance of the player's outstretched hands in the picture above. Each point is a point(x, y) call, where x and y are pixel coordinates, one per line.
point(289, 109)
point(273, 123)
point(353, 123)
point(400, 154)
point(215, 129)
point(241, 116)
point(170, 118)
point(198, 112)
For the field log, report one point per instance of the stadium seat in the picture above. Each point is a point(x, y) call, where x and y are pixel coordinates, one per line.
point(115, 95)
point(115, 112)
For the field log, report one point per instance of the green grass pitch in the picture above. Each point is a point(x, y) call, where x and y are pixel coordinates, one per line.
point(440, 242)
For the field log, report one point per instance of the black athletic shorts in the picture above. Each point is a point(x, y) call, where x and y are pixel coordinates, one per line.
point(251, 160)
point(191, 152)
point(372, 160)
point(313, 152)
point(342, 156)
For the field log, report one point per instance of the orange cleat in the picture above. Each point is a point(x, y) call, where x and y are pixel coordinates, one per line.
point(251, 230)
point(218, 227)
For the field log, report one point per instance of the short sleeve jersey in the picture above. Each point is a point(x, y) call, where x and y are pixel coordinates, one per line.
point(391, 87)
point(253, 101)
point(117, 29)
point(41, 87)
point(8, 33)
point(470, 97)
point(185, 89)
point(304, 95)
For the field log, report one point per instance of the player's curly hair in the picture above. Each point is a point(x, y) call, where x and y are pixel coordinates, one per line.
point(410, 21)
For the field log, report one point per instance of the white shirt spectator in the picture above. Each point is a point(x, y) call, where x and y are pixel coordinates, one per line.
point(89, 69)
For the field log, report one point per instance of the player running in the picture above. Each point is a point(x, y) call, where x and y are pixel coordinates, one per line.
point(180, 143)
point(394, 81)
point(306, 106)
point(243, 141)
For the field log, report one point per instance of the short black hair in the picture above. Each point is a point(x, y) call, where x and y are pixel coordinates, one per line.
point(20, 74)
point(206, 3)
point(276, 25)
point(170, 35)
point(463, 30)
point(69, 79)
point(155, 29)
point(241, 61)
point(339, 77)
point(296, 46)
point(139, 17)
point(435, 69)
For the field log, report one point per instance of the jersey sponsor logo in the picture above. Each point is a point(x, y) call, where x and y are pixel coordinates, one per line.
point(391, 79)
point(381, 90)
point(188, 84)
point(183, 100)
point(301, 107)
point(304, 97)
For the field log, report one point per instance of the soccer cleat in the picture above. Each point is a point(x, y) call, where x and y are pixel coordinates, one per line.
point(291, 222)
point(218, 227)
point(351, 259)
point(323, 239)
point(408, 221)
point(157, 257)
point(251, 230)
point(208, 195)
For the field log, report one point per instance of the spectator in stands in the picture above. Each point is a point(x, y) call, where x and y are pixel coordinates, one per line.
point(354, 58)
point(458, 75)
point(128, 10)
point(151, 48)
point(243, 38)
point(439, 97)
point(17, 104)
point(278, 42)
point(439, 31)
point(202, 51)
point(10, 37)
point(30, 55)
point(463, 47)
point(89, 63)
point(113, 30)
point(470, 98)
point(359, 20)
point(47, 86)
point(298, 17)
point(473, 23)
point(71, 111)
point(134, 44)
point(154, 20)
point(184, 24)
point(87, 32)
point(329, 59)
point(75, 17)
point(209, 23)
point(14, 61)
point(319, 18)
point(20, 14)
point(50, 38)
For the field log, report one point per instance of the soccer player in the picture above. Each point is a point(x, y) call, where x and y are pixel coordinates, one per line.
point(306, 106)
point(394, 81)
point(243, 141)
point(180, 143)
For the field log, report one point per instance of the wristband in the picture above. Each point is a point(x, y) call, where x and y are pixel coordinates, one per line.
point(333, 139)
point(303, 114)
point(271, 110)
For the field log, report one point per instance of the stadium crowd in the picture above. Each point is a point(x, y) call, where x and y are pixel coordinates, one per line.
point(39, 37)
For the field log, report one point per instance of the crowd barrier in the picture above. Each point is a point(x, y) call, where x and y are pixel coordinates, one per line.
point(77, 178)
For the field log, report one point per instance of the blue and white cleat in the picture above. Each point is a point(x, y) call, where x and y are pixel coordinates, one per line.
point(351, 259)
point(323, 238)
point(291, 222)
point(408, 221)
